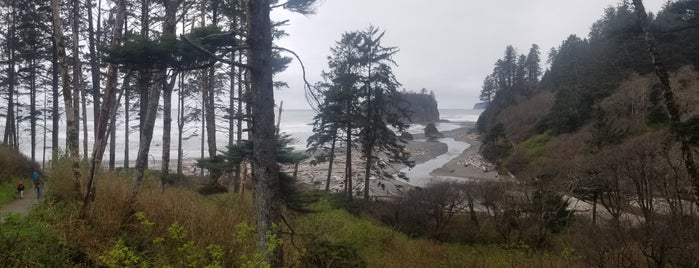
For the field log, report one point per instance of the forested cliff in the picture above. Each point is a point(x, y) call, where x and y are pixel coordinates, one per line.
point(601, 126)
point(421, 106)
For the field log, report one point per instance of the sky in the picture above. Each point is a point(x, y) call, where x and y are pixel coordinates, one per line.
point(447, 46)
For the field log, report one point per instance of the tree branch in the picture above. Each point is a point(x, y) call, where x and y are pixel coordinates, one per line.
point(216, 57)
point(311, 96)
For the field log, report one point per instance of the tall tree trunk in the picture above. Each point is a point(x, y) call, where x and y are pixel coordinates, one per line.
point(105, 114)
point(71, 120)
point(265, 167)
point(239, 122)
point(112, 139)
point(10, 126)
point(149, 112)
point(94, 65)
point(203, 128)
point(32, 106)
point(180, 123)
point(369, 131)
point(669, 98)
point(167, 124)
point(83, 105)
point(169, 32)
point(43, 156)
point(55, 116)
point(231, 116)
point(210, 116)
point(367, 172)
point(78, 90)
point(127, 126)
point(331, 160)
point(348, 164)
point(144, 146)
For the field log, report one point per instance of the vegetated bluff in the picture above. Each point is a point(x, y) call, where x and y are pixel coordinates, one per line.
point(421, 106)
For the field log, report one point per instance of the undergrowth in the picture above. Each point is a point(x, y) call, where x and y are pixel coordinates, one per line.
point(181, 228)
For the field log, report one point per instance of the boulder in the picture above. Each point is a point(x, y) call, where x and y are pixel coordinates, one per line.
point(431, 132)
point(406, 136)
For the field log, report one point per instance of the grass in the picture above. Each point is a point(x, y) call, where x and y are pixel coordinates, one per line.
point(381, 246)
point(8, 192)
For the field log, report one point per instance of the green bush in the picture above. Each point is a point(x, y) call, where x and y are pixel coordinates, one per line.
point(326, 254)
point(28, 243)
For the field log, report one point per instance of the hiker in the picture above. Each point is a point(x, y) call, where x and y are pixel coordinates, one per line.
point(37, 184)
point(20, 189)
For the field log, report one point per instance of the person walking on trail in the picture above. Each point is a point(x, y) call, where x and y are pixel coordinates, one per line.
point(20, 189)
point(37, 184)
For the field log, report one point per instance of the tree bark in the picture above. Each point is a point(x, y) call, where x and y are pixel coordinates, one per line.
point(149, 113)
point(239, 121)
point(348, 163)
point(265, 167)
point(331, 161)
point(180, 123)
point(169, 32)
point(32, 106)
point(127, 108)
point(78, 90)
point(94, 65)
point(10, 137)
point(669, 98)
point(71, 120)
point(105, 114)
point(55, 115)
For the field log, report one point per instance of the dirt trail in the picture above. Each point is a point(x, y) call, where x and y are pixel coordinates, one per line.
point(20, 206)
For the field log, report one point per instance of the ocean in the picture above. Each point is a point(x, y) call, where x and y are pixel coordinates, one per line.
point(296, 123)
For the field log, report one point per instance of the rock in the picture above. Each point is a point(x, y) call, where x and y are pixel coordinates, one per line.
point(480, 106)
point(406, 136)
point(431, 132)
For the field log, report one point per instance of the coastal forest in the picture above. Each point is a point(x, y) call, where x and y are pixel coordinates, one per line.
point(611, 122)
point(584, 157)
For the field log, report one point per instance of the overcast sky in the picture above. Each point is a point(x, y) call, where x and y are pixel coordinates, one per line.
point(447, 46)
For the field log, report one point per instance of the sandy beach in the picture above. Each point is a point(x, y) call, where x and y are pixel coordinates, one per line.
point(467, 165)
point(470, 164)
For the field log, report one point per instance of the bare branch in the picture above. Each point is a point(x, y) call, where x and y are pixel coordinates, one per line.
point(310, 91)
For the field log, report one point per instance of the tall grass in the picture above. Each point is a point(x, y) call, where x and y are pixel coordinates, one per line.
point(180, 228)
point(176, 225)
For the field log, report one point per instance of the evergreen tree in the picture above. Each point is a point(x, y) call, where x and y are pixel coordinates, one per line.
point(489, 89)
point(361, 98)
point(382, 108)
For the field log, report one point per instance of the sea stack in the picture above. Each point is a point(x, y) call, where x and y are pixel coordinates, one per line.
point(431, 132)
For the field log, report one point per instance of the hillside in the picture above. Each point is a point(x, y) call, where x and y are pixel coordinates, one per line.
point(597, 127)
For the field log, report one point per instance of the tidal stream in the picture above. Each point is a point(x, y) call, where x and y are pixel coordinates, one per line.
point(420, 174)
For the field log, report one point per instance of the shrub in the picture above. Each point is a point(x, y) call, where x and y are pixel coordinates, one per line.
point(28, 243)
point(15, 165)
point(323, 254)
